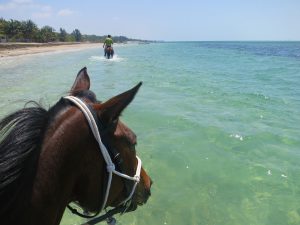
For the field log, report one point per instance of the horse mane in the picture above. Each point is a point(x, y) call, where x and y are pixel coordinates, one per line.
point(21, 137)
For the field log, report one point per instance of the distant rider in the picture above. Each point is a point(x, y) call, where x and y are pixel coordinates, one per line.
point(107, 43)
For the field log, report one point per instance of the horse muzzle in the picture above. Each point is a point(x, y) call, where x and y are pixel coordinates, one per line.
point(143, 191)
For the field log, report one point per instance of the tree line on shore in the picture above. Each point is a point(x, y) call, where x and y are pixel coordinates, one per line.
point(28, 31)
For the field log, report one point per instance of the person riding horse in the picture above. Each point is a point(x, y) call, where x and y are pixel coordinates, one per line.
point(107, 44)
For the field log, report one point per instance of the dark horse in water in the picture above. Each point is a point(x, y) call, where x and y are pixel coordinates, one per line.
point(50, 158)
point(109, 52)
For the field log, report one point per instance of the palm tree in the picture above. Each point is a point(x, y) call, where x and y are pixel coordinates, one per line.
point(29, 29)
point(3, 24)
point(62, 34)
point(47, 34)
point(77, 35)
point(13, 29)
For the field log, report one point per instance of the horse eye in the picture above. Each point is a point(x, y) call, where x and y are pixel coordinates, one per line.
point(133, 145)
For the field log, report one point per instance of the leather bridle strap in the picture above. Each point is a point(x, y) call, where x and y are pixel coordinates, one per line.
point(107, 215)
point(110, 166)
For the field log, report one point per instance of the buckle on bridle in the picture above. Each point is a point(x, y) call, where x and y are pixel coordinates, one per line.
point(111, 221)
point(137, 178)
point(110, 168)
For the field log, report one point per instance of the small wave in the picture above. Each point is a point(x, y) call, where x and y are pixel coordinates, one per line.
point(237, 136)
point(116, 58)
point(12, 61)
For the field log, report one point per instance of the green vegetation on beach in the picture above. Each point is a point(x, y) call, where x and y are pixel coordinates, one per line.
point(28, 31)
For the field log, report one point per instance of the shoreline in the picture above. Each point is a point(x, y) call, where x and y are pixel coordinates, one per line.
point(8, 50)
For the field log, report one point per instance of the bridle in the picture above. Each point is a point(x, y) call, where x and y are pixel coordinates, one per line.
point(110, 167)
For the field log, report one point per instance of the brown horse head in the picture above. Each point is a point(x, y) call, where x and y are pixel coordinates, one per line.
point(117, 138)
point(49, 158)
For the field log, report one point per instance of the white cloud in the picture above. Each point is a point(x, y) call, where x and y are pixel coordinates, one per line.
point(11, 5)
point(31, 9)
point(41, 15)
point(42, 11)
point(7, 6)
point(65, 12)
point(45, 8)
point(22, 1)
point(36, 9)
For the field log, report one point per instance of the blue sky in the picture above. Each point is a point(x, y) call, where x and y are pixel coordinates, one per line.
point(169, 20)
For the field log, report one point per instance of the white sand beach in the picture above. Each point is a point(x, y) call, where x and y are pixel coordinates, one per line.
point(22, 49)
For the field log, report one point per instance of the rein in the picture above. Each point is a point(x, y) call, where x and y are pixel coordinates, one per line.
point(110, 167)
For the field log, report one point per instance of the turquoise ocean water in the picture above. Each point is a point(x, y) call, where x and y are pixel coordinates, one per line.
point(218, 124)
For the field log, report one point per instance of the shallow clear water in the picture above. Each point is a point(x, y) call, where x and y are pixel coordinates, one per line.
point(218, 123)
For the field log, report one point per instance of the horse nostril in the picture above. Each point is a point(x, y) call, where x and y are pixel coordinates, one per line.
point(149, 190)
point(148, 193)
point(151, 182)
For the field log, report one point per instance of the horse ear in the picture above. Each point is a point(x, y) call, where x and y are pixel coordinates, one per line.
point(110, 110)
point(82, 82)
